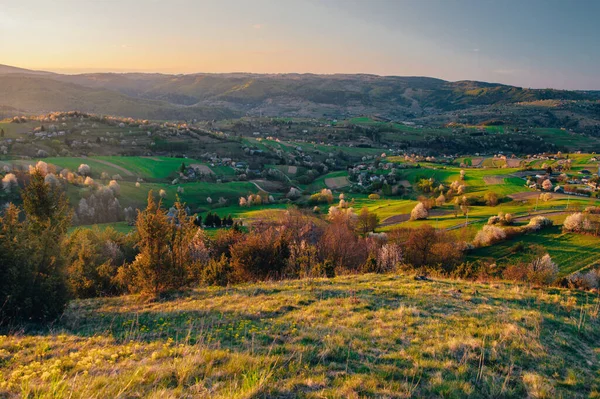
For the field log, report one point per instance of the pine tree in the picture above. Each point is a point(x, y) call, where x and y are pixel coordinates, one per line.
point(39, 290)
point(208, 221)
point(150, 271)
point(165, 259)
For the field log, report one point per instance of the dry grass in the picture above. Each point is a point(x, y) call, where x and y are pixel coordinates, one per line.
point(354, 336)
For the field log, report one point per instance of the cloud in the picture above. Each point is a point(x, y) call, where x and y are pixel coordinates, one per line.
point(475, 50)
point(257, 26)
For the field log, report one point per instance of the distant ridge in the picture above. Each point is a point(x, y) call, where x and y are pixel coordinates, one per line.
point(7, 69)
point(213, 96)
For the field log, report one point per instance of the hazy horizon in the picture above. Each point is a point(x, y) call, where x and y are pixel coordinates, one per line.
point(535, 44)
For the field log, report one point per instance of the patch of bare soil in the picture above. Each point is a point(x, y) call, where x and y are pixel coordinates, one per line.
point(337, 182)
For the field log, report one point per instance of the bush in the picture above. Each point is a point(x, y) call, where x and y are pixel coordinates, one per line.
point(217, 272)
point(260, 256)
point(491, 198)
point(325, 195)
point(419, 212)
point(585, 281)
point(574, 222)
point(537, 223)
point(93, 258)
point(542, 271)
point(374, 196)
point(489, 235)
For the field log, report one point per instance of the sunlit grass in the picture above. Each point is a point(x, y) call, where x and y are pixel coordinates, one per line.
point(354, 336)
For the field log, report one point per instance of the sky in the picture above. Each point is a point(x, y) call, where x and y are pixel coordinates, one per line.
point(529, 43)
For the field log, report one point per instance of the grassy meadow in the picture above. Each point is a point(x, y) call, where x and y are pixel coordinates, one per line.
point(351, 336)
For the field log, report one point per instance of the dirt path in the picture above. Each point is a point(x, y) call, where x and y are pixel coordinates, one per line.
point(259, 187)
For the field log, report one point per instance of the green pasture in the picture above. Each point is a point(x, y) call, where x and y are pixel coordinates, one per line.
point(570, 251)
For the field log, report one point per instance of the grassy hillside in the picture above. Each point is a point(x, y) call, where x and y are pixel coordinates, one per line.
point(356, 336)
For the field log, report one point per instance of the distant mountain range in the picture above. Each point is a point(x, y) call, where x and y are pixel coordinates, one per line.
point(216, 96)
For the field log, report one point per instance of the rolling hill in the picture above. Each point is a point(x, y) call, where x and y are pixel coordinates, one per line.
point(214, 96)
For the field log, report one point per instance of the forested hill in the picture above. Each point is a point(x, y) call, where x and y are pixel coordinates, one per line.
point(215, 96)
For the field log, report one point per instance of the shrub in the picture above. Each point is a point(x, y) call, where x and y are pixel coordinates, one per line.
point(259, 256)
point(326, 269)
point(9, 182)
point(439, 201)
point(426, 246)
point(542, 271)
point(489, 235)
point(574, 222)
point(84, 169)
point(93, 258)
point(325, 195)
point(366, 221)
point(537, 223)
point(419, 212)
point(585, 281)
point(491, 198)
point(115, 187)
point(217, 271)
point(389, 257)
point(374, 196)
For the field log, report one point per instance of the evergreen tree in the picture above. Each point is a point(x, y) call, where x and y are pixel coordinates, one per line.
point(150, 271)
point(165, 259)
point(208, 221)
point(32, 268)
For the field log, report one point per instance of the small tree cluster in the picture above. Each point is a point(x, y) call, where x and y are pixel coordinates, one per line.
point(324, 196)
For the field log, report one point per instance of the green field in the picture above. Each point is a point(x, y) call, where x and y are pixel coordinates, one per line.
point(351, 336)
point(571, 252)
point(152, 168)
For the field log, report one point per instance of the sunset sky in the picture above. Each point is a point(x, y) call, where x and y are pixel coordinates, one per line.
point(531, 43)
